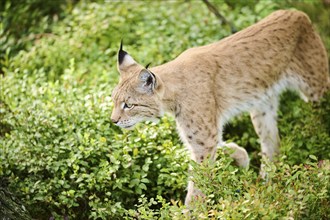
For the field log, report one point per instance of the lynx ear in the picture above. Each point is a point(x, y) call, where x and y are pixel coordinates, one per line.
point(147, 81)
point(124, 59)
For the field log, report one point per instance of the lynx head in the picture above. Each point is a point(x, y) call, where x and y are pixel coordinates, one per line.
point(137, 96)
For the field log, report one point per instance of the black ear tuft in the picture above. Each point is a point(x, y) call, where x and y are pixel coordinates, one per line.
point(121, 44)
point(148, 65)
point(121, 53)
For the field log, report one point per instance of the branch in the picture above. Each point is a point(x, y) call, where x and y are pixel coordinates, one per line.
point(221, 18)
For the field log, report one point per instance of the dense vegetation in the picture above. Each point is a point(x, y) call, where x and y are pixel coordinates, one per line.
point(62, 157)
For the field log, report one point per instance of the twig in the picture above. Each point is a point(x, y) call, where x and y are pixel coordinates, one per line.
point(221, 18)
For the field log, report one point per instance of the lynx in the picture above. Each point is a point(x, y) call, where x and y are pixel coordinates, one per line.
point(206, 86)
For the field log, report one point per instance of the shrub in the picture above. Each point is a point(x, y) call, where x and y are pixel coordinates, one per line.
point(26, 21)
point(67, 158)
point(237, 193)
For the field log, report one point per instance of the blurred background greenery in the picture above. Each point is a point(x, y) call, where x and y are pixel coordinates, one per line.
point(60, 154)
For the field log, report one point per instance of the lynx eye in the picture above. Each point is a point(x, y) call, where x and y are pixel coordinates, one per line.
point(128, 106)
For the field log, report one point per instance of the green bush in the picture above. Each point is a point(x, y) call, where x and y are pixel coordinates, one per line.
point(237, 193)
point(61, 155)
point(68, 158)
point(26, 21)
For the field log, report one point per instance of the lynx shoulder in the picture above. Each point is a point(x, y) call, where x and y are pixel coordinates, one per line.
point(206, 86)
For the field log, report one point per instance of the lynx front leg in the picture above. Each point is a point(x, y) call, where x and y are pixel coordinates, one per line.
point(199, 153)
point(200, 136)
point(264, 119)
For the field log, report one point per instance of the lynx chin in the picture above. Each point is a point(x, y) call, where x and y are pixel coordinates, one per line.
point(206, 86)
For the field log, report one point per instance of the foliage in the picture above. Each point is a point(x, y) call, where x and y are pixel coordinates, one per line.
point(237, 193)
point(60, 154)
point(68, 155)
point(26, 21)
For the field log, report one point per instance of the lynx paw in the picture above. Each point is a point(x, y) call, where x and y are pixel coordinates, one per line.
point(239, 154)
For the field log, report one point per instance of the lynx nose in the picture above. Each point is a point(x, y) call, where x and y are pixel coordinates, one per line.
point(115, 121)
